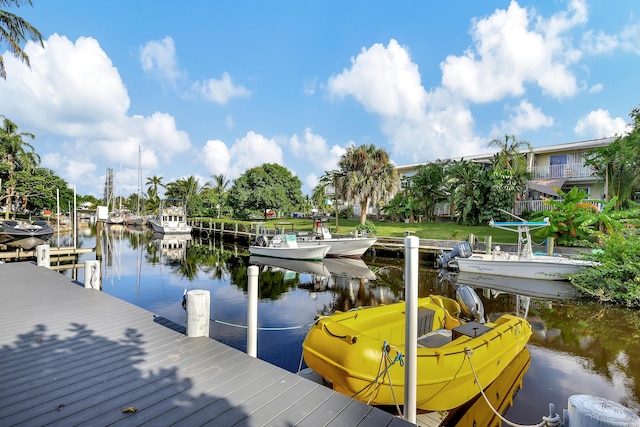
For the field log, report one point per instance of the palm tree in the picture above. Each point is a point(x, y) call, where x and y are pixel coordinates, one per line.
point(184, 189)
point(154, 182)
point(219, 185)
point(14, 31)
point(16, 154)
point(366, 175)
point(510, 164)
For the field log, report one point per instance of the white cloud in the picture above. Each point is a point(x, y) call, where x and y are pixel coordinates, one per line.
point(310, 86)
point(523, 117)
point(419, 125)
point(229, 122)
point(159, 58)
point(221, 90)
point(596, 88)
point(384, 80)
point(507, 54)
point(599, 43)
point(216, 157)
point(314, 149)
point(250, 151)
point(599, 124)
point(76, 104)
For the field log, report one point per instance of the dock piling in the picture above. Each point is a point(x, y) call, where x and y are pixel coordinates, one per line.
point(44, 256)
point(198, 313)
point(252, 312)
point(92, 277)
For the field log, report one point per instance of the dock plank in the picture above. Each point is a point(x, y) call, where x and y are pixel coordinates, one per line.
point(70, 355)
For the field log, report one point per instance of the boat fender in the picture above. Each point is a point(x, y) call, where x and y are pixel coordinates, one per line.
point(470, 303)
point(262, 241)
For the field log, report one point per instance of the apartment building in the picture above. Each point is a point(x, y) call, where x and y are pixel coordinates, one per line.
point(552, 166)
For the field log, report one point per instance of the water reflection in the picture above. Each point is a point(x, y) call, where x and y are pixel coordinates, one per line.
point(577, 347)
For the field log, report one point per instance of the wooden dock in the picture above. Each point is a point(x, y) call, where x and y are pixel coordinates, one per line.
point(76, 356)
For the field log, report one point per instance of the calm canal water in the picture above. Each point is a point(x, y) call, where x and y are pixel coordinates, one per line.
point(577, 347)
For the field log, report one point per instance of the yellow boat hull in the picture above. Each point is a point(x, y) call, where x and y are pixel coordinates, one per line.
point(359, 353)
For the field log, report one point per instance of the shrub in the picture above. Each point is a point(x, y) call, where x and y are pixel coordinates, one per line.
point(367, 229)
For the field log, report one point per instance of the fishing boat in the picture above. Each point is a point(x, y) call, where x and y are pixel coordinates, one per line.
point(524, 263)
point(23, 234)
point(171, 218)
point(286, 246)
point(360, 352)
point(351, 246)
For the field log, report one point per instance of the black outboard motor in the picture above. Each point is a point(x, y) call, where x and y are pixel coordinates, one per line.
point(470, 303)
point(461, 250)
point(261, 240)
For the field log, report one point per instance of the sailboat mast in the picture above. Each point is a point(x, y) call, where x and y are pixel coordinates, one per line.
point(139, 180)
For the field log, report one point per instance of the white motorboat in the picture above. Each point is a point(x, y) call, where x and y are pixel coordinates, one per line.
point(524, 263)
point(171, 218)
point(286, 246)
point(340, 245)
point(513, 265)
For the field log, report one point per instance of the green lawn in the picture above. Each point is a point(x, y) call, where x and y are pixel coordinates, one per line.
point(425, 230)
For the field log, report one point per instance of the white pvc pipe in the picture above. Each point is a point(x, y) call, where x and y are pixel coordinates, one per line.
point(198, 310)
point(411, 244)
point(43, 255)
point(92, 277)
point(252, 312)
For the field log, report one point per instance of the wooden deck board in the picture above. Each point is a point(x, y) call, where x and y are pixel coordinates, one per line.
point(70, 355)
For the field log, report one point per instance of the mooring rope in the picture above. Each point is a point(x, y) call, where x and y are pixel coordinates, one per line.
point(384, 357)
point(553, 420)
point(283, 328)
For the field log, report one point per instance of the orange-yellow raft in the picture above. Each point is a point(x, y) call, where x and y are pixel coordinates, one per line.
point(358, 352)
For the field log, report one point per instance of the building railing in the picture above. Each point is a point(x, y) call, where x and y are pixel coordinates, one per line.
point(571, 170)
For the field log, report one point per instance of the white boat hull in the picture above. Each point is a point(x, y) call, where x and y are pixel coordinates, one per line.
point(169, 227)
point(539, 267)
point(352, 247)
point(315, 252)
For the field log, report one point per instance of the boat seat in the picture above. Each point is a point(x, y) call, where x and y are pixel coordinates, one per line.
point(425, 320)
point(435, 339)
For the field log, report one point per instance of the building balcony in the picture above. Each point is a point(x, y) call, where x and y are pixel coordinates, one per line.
point(575, 170)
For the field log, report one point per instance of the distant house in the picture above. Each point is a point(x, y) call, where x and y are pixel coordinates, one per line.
point(560, 166)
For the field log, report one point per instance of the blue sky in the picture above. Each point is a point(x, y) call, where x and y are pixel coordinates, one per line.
point(206, 88)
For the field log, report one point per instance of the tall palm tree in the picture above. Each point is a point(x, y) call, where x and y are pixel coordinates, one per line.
point(509, 155)
point(366, 175)
point(219, 185)
point(14, 31)
point(184, 188)
point(154, 182)
point(510, 164)
point(16, 154)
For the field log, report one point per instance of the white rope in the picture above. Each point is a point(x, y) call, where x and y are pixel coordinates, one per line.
point(547, 421)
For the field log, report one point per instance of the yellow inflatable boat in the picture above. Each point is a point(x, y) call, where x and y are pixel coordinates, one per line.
point(361, 352)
